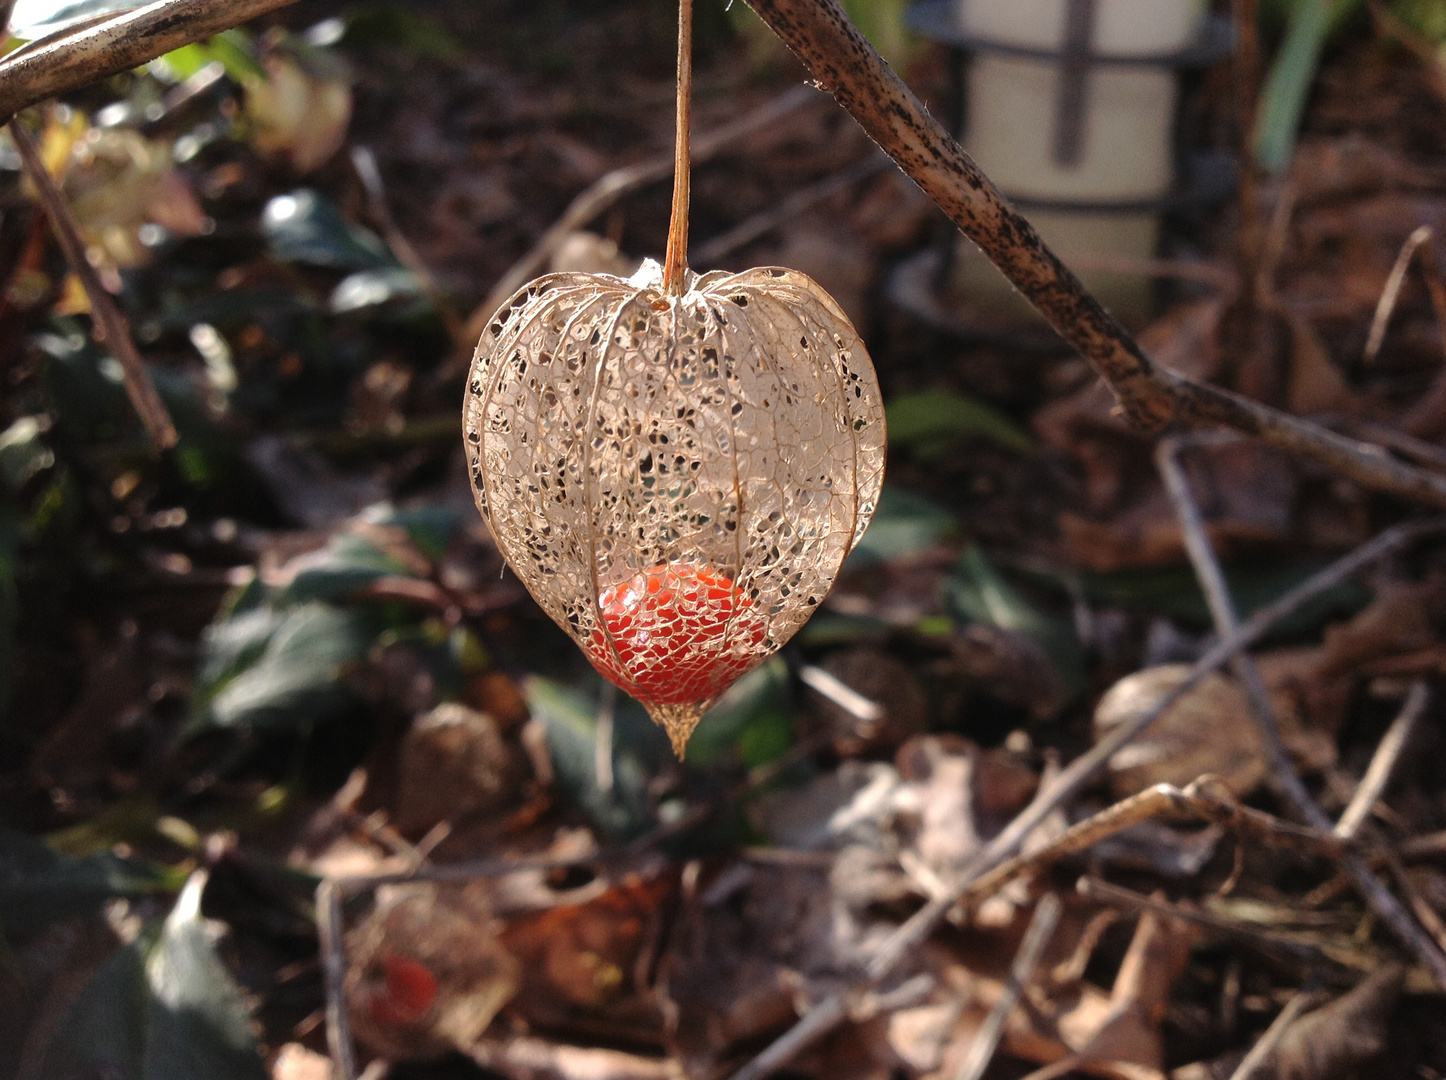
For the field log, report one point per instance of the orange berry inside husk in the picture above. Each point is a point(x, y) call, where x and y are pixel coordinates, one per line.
point(676, 634)
point(407, 990)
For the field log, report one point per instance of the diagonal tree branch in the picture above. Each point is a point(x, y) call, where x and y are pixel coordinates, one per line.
point(114, 45)
point(846, 65)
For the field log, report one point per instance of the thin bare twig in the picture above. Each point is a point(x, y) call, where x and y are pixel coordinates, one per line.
point(1383, 763)
point(845, 64)
point(1419, 241)
point(333, 966)
point(1424, 417)
point(760, 224)
point(1222, 613)
point(1222, 609)
point(986, 1040)
point(1200, 800)
point(1422, 908)
point(832, 1010)
point(1261, 1051)
point(364, 163)
point(1408, 446)
point(116, 45)
point(608, 190)
point(114, 329)
point(1109, 893)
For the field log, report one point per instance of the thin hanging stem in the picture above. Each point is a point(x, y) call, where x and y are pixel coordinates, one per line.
point(675, 263)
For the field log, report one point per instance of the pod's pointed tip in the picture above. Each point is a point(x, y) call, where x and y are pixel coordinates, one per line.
point(679, 722)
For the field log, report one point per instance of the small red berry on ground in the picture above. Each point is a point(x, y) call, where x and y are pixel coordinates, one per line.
point(407, 990)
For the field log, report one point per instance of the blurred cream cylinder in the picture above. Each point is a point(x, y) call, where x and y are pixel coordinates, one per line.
point(1122, 151)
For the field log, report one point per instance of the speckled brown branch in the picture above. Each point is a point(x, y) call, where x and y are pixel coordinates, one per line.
point(73, 60)
point(846, 65)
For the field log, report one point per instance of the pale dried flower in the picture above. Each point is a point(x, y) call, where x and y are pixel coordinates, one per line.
point(675, 478)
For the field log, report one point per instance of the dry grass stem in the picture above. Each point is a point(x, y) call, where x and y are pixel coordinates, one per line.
point(791, 208)
point(364, 163)
point(1419, 241)
point(1383, 763)
point(1200, 800)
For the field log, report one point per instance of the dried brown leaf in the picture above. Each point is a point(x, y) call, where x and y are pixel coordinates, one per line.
point(1336, 1040)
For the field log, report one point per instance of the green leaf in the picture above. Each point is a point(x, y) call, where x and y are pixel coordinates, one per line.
point(236, 49)
point(39, 885)
point(373, 288)
point(395, 27)
point(1292, 74)
point(904, 524)
point(162, 1008)
point(350, 561)
point(180, 64)
point(347, 563)
point(752, 722)
point(882, 22)
point(930, 423)
point(977, 593)
point(23, 452)
point(430, 526)
point(639, 750)
point(304, 227)
point(1426, 17)
point(274, 668)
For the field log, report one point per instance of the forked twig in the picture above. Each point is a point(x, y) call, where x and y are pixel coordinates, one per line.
point(845, 64)
point(114, 329)
point(1222, 609)
point(832, 1010)
point(1200, 800)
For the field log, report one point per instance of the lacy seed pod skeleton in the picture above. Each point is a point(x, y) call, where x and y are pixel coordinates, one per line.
point(675, 466)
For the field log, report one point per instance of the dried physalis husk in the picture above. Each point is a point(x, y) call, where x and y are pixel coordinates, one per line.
point(676, 478)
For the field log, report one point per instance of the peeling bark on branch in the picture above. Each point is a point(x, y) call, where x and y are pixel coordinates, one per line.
point(848, 67)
